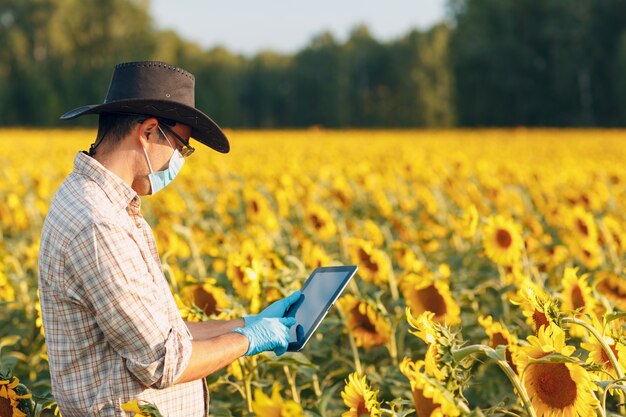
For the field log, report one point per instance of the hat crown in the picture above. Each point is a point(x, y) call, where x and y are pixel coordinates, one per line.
point(151, 80)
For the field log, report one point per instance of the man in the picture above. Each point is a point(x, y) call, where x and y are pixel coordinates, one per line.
point(113, 331)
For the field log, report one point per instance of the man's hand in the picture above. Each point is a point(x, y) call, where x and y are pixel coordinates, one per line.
point(268, 334)
point(275, 310)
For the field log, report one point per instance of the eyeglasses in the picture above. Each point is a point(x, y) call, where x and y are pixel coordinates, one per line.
point(167, 124)
point(187, 149)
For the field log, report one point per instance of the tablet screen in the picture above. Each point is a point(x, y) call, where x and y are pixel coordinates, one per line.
point(319, 293)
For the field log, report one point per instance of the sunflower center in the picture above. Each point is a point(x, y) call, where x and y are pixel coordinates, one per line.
point(612, 287)
point(503, 237)
point(205, 300)
point(423, 406)
point(367, 260)
point(364, 323)
point(498, 339)
point(5, 407)
point(432, 301)
point(578, 300)
point(361, 409)
point(605, 358)
point(540, 319)
point(317, 222)
point(582, 226)
point(554, 385)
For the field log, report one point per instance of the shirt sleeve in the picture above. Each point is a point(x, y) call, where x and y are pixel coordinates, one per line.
point(128, 305)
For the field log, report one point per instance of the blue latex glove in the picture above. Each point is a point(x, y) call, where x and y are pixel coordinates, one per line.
point(276, 309)
point(268, 334)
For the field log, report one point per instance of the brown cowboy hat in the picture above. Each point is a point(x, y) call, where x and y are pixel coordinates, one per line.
point(157, 89)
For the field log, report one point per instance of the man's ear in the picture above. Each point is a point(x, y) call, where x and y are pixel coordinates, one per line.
point(147, 130)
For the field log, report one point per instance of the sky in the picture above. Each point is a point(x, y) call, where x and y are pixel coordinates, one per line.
point(286, 26)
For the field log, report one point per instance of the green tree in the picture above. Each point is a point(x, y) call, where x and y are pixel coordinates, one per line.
point(536, 63)
point(318, 92)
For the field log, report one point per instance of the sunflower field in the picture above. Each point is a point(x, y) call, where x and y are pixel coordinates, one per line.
point(491, 275)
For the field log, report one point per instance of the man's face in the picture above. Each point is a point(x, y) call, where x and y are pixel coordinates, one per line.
point(157, 150)
point(176, 138)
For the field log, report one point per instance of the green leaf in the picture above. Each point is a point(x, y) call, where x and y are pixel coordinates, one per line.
point(614, 316)
point(498, 354)
point(553, 358)
point(326, 397)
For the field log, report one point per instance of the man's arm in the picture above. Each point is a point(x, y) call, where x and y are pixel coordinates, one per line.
point(209, 329)
point(208, 356)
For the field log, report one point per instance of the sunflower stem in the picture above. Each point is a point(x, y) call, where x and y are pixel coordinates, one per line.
point(392, 345)
point(393, 284)
point(355, 353)
point(462, 353)
point(247, 381)
point(316, 386)
point(292, 383)
point(506, 310)
point(607, 349)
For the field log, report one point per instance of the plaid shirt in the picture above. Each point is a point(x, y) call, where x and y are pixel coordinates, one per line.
point(113, 330)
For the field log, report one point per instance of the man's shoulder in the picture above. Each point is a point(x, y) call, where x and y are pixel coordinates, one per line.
point(79, 203)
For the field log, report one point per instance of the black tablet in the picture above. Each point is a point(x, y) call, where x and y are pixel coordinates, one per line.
point(319, 293)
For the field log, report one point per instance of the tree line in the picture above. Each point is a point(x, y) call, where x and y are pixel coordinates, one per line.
point(492, 63)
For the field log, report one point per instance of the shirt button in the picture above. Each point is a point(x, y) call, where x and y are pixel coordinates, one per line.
point(138, 225)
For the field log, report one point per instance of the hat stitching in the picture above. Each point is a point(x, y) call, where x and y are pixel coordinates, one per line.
point(147, 64)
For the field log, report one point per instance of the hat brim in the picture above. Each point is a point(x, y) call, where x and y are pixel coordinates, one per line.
point(203, 129)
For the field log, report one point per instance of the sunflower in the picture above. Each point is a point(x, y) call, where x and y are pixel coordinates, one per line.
point(502, 240)
point(613, 287)
point(208, 296)
point(170, 241)
point(360, 398)
point(430, 397)
point(555, 389)
point(467, 225)
point(141, 408)
point(598, 356)
point(226, 205)
point(500, 335)
point(548, 258)
point(613, 233)
point(259, 210)
point(374, 264)
point(15, 399)
point(373, 233)
point(581, 225)
point(367, 326)
point(342, 192)
point(244, 277)
point(320, 221)
point(537, 306)
point(429, 331)
point(423, 292)
point(274, 406)
point(588, 253)
point(577, 297)
point(314, 255)
point(405, 257)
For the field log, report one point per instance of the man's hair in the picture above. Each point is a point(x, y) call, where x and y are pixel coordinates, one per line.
point(114, 127)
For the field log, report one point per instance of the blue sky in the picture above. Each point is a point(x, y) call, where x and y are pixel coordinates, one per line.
point(248, 26)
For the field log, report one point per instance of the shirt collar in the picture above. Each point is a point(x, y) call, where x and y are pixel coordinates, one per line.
point(120, 193)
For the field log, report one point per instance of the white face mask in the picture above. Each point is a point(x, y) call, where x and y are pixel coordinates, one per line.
point(159, 179)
